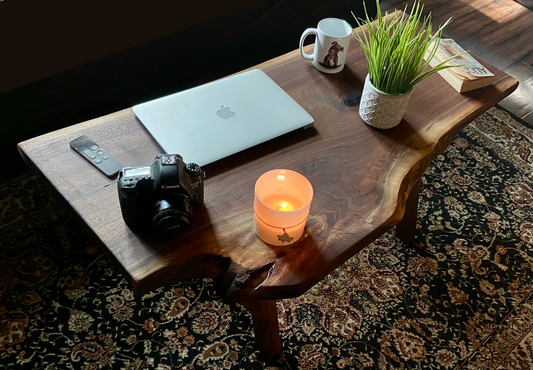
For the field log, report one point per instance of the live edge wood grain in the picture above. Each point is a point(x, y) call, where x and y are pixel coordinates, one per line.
point(362, 179)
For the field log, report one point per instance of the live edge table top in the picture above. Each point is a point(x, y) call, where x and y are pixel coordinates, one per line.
point(361, 177)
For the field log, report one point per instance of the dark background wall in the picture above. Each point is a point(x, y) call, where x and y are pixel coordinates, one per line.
point(43, 37)
point(68, 64)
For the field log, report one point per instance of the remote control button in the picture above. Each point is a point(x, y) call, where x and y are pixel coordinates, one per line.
point(99, 152)
point(94, 147)
point(89, 154)
point(97, 160)
point(105, 156)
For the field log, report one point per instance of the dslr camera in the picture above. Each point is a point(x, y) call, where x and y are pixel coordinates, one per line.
point(161, 197)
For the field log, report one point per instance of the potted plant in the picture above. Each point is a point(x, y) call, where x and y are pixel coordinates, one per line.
point(394, 51)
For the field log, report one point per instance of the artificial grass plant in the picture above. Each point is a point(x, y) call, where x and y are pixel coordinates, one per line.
point(395, 49)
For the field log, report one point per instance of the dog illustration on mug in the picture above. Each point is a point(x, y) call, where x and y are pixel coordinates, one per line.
point(331, 59)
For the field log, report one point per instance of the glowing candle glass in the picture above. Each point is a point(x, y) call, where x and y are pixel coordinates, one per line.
point(281, 206)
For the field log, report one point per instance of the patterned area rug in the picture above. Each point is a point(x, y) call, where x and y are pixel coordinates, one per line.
point(459, 297)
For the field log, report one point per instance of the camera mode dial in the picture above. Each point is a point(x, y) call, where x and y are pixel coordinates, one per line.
point(193, 169)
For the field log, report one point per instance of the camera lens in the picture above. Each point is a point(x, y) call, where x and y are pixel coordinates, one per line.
point(173, 216)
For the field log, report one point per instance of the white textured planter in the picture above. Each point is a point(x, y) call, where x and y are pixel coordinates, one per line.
point(382, 110)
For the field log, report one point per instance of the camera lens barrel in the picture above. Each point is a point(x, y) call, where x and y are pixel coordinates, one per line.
point(173, 217)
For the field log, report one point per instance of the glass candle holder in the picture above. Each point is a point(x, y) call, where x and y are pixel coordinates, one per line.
point(281, 206)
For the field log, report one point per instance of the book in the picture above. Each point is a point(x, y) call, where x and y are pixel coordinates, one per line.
point(468, 74)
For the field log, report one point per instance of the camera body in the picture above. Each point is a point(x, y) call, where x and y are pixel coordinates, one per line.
point(161, 197)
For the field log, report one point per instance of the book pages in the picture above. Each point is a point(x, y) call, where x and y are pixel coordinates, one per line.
point(468, 68)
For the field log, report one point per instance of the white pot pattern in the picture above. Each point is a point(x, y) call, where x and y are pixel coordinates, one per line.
point(382, 110)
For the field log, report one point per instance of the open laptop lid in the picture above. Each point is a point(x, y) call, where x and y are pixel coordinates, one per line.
point(215, 120)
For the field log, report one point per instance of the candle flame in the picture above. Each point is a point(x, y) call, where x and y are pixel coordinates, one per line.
point(283, 205)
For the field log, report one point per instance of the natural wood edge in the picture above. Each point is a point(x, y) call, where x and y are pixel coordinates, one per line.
point(409, 181)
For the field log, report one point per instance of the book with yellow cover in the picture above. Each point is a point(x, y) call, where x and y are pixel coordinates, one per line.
point(468, 74)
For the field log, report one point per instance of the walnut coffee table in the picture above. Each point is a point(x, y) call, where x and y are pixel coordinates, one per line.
point(365, 182)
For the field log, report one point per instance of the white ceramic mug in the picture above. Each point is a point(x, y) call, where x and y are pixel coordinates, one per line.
point(331, 45)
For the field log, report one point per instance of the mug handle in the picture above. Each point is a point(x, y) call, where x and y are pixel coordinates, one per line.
point(307, 32)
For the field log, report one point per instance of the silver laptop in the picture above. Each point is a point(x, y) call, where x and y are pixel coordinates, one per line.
point(215, 120)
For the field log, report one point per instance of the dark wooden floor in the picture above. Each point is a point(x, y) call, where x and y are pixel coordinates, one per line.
point(498, 31)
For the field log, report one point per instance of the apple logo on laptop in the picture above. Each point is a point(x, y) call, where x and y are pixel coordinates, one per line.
point(225, 113)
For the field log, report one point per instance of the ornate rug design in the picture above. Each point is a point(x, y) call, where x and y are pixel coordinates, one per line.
point(459, 297)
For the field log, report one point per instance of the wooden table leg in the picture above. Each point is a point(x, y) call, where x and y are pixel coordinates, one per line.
point(406, 228)
point(265, 316)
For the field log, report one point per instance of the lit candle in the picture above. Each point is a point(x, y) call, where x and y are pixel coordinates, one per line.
point(281, 206)
point(283, 202)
